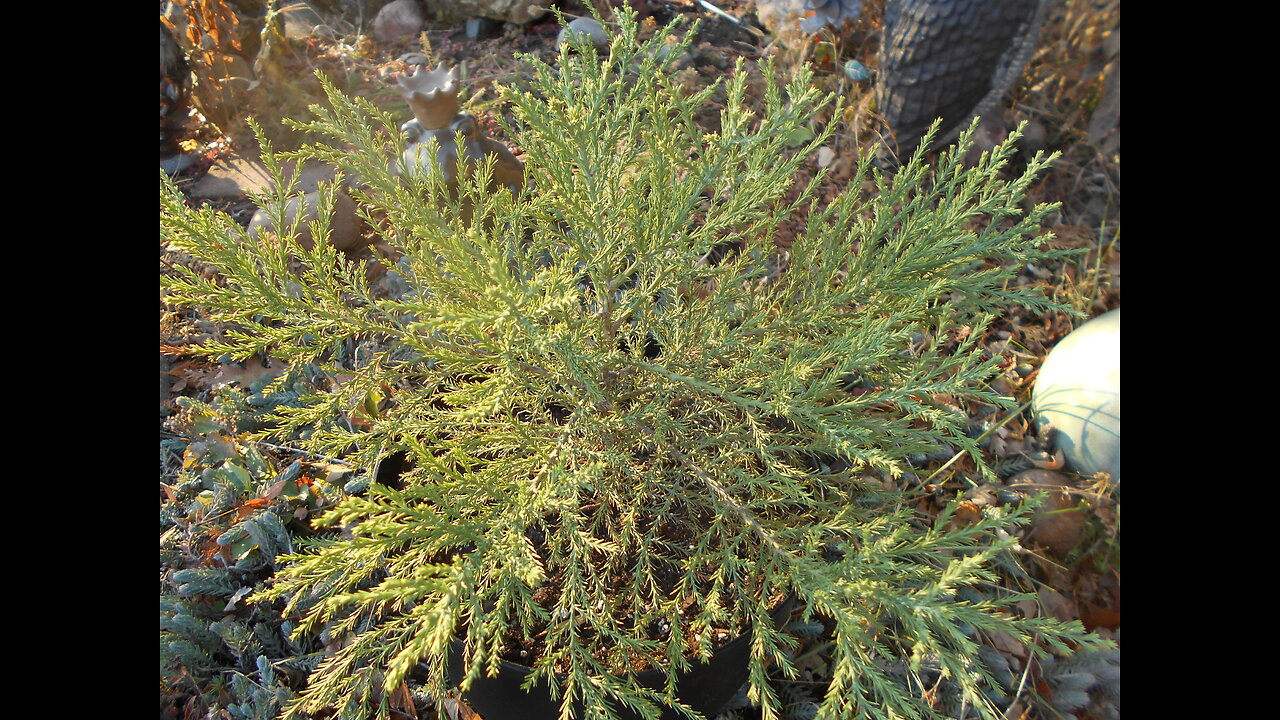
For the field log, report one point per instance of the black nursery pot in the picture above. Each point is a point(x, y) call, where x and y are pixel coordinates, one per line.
point(705, 687)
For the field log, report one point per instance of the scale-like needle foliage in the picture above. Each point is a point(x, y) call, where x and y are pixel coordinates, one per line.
point(628, 429)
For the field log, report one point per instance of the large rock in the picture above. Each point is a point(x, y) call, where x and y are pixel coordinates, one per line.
point(398, 21)
point(237, 176)
point(512, 11)
point(302, 21)
point(345, 227)
point(782, 18)
point(358, 12)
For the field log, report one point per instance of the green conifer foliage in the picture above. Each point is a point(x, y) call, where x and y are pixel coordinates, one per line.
point(613, 425)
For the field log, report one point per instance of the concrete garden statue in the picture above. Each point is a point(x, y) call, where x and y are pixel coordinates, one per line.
point(432, 135)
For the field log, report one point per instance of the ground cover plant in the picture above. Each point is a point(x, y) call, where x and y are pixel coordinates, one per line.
point(613, 380)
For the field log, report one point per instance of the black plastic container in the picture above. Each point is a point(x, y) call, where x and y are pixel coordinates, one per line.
point(706, 687)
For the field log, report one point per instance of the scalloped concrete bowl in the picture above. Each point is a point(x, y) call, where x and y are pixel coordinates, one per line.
point(431, 94)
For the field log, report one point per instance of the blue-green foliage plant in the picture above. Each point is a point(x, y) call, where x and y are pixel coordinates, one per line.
point(219, 538)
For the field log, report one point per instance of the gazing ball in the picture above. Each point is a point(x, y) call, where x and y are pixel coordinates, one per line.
point(1078, 393)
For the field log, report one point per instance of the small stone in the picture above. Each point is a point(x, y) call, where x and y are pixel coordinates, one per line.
point(415, 58)
point(587, 28)
point(1034, 136)
point(176, 164)
point(856, 71)
point(398, 21)
point(483, 28)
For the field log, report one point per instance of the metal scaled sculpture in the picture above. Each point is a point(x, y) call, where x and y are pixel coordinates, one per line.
point(949, 59)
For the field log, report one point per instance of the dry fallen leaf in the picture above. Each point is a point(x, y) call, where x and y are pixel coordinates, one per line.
point(170, 492)
point(1058, 605)
point(237, 597)
point(401, 700)
point(1058, 525)
point(253, 371)
point(967, 513)
point(455, 709)
point(1006, 644)
point(1101, 617)
point(193, 373)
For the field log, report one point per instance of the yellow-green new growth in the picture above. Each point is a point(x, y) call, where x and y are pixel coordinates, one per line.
point(608, 432)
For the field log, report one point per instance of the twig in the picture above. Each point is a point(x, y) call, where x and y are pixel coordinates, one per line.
point(730, 18)
point(299, 451)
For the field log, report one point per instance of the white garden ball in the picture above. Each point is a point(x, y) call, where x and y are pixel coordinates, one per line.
point(1078, 393)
